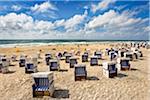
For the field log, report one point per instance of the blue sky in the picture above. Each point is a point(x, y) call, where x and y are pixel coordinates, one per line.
point(58, 19)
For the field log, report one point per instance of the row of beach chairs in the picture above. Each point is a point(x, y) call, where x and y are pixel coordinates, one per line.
point(44, 81)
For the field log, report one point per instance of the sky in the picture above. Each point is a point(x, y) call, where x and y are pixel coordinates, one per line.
point(70, 19)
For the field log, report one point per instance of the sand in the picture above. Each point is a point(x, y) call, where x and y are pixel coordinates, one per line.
point(128, 85)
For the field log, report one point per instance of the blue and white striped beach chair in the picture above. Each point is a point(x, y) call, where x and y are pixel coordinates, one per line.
point(44, 84)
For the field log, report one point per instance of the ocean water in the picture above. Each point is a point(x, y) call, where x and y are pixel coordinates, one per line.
point(15, 43)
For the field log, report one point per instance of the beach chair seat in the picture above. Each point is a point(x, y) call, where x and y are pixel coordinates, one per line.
point(44, 84)
point(94, 61)
point(109, 69)
point(54, 65)
point(80, 72)
point(73, 61)
point(85, 58)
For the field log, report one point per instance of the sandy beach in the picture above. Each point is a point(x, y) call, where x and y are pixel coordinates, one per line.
point(128, 85)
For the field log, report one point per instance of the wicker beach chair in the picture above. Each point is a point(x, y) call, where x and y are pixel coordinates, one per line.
point(14, 58)
point(59, 56)
point(85, 57)
point(48, 56)
point(94, 61)
point(129, 55)
point(98, 54)
point(31, 67)
point(73, 61)
point(1, 66)
point(68, 55)
point(4, 63)
point(22, 61)
point(44, 84)
point(109, 69)
point(54, 65)
point(112, 55)
point(80, 72)
point(123, 63)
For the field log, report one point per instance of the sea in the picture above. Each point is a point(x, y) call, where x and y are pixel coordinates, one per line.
point(34, 42)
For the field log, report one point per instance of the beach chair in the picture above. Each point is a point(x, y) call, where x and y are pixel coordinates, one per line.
point(109, 69)
point(1, 66)
point(98, 54)
point(59, 56)
point(4, 63)
point(22, 61)
point(35, 60)
point(48, 56)
point(112, 55)
point(80, 72)
point(129, 55)
point(64, 53)
point(54, 65)
point(68, 55)
point(30, 67)
point(94, 61)
point(78, 53)
point(123, 63)
point(121, 53)
point(14, 58)
point(43, 84)
point(73, 61)
point(85, 57)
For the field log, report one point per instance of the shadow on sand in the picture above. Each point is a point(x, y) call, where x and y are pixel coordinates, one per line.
point(120, 75)
point(61, 93)
point(92, 78)
point(133, 69)
point(63, 70)
point(10, 72)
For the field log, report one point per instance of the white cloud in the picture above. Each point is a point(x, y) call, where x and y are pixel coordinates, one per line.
point(24, 25)
point(72, 23)
point(104, 4)
point(106, 26)
point(102, 19)
point(114, 25)
point(44, 11)
point(43, 7)
point(16, 7)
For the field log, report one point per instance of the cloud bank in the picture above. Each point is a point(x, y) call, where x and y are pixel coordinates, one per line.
point(109, 25)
